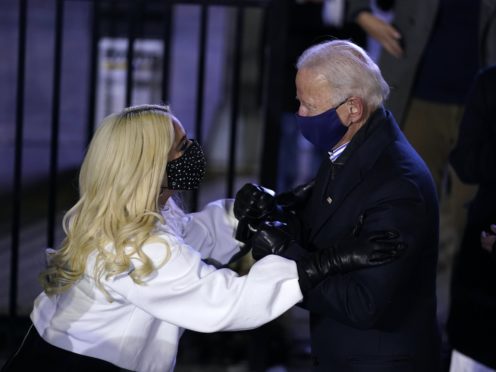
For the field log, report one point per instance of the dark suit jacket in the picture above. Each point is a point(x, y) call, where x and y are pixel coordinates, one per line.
point(381, 318)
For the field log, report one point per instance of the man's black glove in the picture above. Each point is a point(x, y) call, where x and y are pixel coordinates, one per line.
point(373, 249)
point(295, 197)
point(376, 248)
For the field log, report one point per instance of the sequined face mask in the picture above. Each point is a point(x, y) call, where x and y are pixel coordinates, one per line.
point(187, 171)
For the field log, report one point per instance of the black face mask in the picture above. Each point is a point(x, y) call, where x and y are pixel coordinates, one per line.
point(186, 172)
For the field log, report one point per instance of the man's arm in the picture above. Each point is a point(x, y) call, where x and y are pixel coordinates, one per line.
point(211, 231)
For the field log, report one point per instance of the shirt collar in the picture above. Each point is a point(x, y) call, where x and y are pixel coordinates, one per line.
point(334, 153)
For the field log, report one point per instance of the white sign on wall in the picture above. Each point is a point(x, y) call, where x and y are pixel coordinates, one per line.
point(112, 69)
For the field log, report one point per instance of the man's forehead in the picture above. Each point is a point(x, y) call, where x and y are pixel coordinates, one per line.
point(312, 77)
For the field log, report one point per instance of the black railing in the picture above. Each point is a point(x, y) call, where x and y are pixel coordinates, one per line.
point(54, 143)
point(127, 19)
point(17, 184)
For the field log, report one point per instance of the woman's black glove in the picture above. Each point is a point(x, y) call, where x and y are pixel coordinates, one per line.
point(254, 204)
point(272, 237)
point(259, 203)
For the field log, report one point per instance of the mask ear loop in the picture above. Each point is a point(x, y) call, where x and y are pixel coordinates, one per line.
point(339, 105)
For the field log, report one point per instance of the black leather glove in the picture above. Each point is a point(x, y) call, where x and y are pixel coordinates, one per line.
point(256, 202)
point(253, 202)
point(251, 205)
point(376, 248)
point(272, 237)
point(245, 230)
point(295, 197)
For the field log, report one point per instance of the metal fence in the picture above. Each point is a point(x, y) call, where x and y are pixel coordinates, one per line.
point(133, 20)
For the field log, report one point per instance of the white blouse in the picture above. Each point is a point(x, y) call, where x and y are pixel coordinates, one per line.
point(140, 329)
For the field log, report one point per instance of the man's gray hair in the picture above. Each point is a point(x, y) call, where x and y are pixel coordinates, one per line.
point(348, 70)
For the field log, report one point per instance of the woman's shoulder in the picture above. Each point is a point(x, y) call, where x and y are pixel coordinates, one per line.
point(162, 242)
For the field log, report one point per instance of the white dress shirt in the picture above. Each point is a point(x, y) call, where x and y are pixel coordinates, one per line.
point(140, 329)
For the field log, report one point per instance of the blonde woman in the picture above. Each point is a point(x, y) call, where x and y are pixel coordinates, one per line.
point(130, 275)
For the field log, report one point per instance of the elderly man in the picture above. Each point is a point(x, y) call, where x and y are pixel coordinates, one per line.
point(376, 319)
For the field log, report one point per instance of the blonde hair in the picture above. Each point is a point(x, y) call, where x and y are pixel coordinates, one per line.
point(119, 184)
point(348, 70)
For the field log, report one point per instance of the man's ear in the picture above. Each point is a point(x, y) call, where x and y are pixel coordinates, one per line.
point(355, 110)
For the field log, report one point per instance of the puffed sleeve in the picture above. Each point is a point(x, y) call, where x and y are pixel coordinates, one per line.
point(190, 294)
point(210, 231)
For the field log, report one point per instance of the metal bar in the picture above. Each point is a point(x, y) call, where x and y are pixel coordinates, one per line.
point(262, 57)
point(92, 89)
point(238, 47)
point(167, 36)
point(277, 35)
point(201, 73)
point(132, 11)
point(17, 186)
point(200, 86)
point(54, 142)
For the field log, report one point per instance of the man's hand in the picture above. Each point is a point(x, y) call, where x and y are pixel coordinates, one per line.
point(295, 197)
point(376, 248)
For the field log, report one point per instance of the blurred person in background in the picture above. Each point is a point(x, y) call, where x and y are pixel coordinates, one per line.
point(472, 322)
point(431, 52)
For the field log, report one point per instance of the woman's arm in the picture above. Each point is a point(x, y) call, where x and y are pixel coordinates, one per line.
point(190, 294)
point(211, 231)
